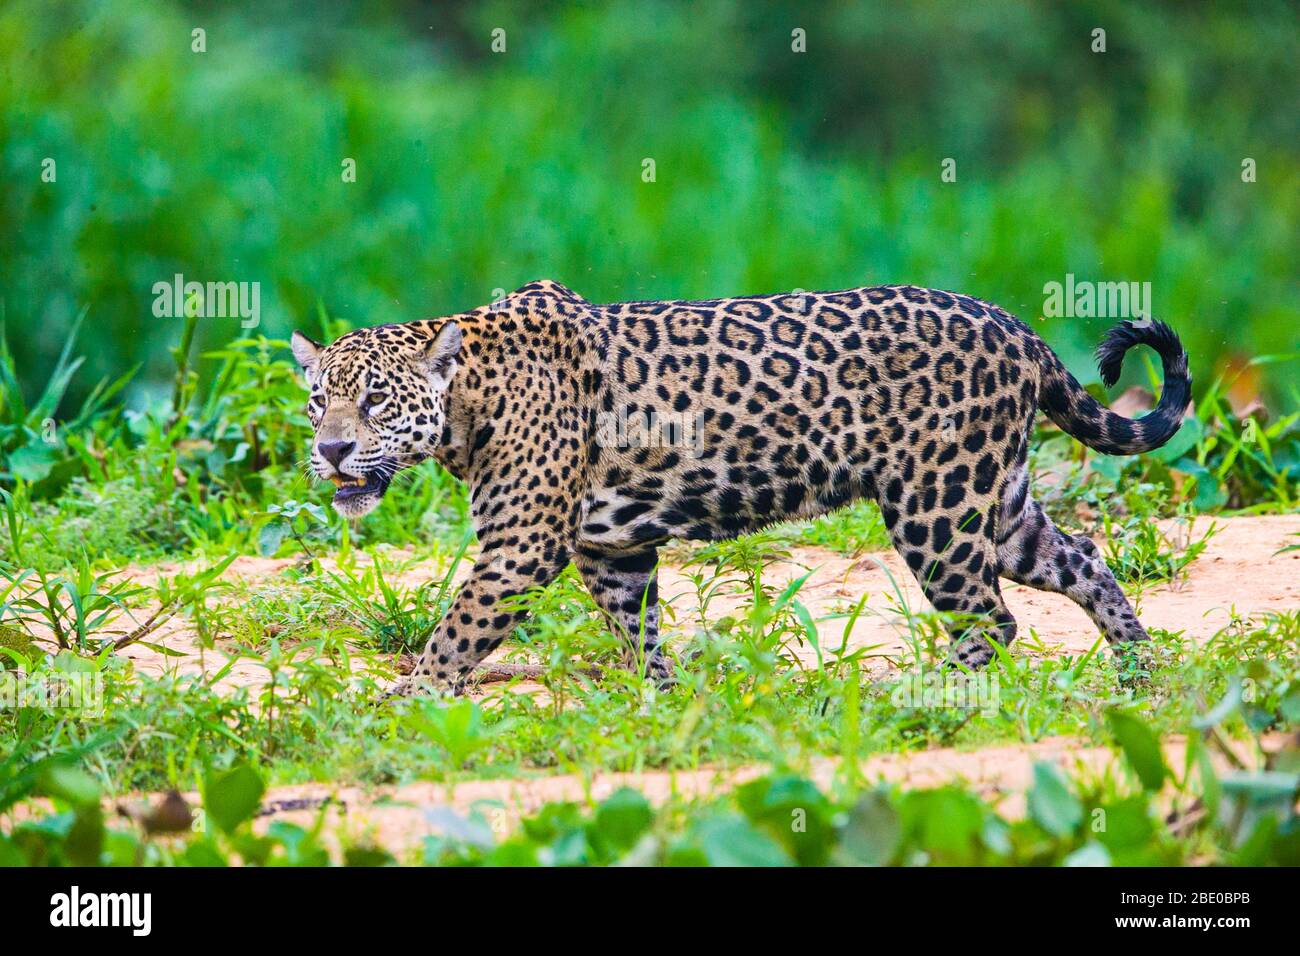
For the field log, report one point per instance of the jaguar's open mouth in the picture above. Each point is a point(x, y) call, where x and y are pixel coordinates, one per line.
point(351, 487)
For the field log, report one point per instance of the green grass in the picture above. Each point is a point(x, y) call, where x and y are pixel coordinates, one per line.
point(1146, 812)
point(745, 696)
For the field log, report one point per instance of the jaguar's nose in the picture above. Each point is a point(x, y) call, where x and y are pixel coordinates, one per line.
point(336, 451)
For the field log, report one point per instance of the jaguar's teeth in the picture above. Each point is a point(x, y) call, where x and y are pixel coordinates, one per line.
point(338, 482)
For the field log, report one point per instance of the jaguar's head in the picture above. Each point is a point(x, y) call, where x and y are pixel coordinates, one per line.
point(378, 404)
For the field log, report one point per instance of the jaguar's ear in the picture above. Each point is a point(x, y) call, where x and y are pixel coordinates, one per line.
point(307, 353)
point(438, 361)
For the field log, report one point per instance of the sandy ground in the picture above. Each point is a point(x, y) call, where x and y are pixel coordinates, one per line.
point(1239, 572)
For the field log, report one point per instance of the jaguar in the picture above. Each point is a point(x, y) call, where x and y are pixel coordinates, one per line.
point(796, 404)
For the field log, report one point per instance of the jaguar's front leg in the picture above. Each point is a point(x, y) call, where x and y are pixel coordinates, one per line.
point(483, 614)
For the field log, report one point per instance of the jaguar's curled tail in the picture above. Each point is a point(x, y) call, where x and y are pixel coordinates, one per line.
point(1078, 413)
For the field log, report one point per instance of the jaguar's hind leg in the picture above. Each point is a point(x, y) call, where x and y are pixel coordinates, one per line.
point(955, 562)
point(1032, 550)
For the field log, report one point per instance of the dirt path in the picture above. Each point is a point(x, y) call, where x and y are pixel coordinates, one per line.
point(1239, 571)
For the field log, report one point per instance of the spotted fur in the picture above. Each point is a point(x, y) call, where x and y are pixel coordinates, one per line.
point(918, 399)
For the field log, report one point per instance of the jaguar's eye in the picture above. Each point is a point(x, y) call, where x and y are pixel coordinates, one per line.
point(317, 402)
point(375, 399)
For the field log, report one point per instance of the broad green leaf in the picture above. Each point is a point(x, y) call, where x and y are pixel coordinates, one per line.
point(367, 856)
point(1289, 708)
point(10, 855)
point(1090, 854)
point(871, 834)
point(1262, 786)
point(86, 837)
point(791, 809)
point(947, 823)
point(1217, 714)
point(271, 537)
point(730, 840)
point(622, 818)
point(204, 853)
point(33, 461)
point(1051, 804)
point(1125, 824)
point(69, 783)
point(1184, 440)
point(1140, 746)
point(233, 796)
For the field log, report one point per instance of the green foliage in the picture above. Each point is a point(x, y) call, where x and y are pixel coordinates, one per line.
point(774, 170)
point(1051, 804)
point(457, 728)
point(233, 796)
point(855, 529)
point(775, 820)
point(395, 616)
point(292, 519)
point(1217, 461)
point(1141, 553)
point(1141, 746)
point(34, 447)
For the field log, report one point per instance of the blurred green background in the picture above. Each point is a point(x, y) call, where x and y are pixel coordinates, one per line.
point(480, 170)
